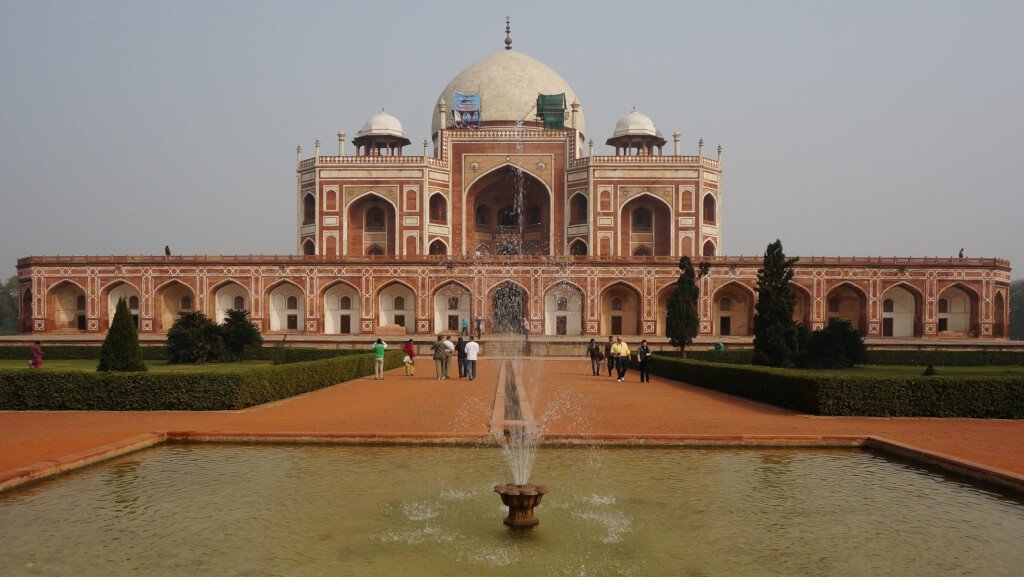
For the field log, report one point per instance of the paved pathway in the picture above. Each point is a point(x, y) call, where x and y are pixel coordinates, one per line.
point(567, 397)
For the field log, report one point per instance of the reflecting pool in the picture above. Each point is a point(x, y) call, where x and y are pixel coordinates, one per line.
point(269, 510)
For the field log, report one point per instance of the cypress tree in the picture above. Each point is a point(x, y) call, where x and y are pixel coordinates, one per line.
point(121, 351)
point(683, 317)
point(775, 332)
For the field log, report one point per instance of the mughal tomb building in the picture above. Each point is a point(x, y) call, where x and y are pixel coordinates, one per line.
point(508, 214)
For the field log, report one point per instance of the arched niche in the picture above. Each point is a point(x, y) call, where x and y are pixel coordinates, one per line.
point(396, 306)
point(646, 227)
point(849, 303)
point(901, 312)
point(438, 212)
point(709, 209)
point(438, 248)
point(308, 209)
point(509, 306)
point(620, 310)
point(286, 308)
point(228, 296)
point(957, 312)
point(66, 307)
point(509, 211)
point(733, 311)
point(709, 248)
point(341, 309)
point(171, 300)
point(372, 226)
point(114, 292)
point(578, 209)
point(453, 303)
point(563, 310)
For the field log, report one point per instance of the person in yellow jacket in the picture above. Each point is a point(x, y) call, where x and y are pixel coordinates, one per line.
point(620, 351)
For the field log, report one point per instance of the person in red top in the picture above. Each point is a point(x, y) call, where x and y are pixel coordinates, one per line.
point(410, 357)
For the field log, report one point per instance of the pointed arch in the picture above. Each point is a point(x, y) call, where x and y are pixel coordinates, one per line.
point(620, 309)
point(342, 305)
point(509, 302)
point(361, 235)
point(276, 303)
point(111, 293)
point(438, 208)
point(709, 208)
point(438, 247)
point(848, 302)
point(732, 310)
point(902, 311)
point(579, 208)
point(66, 306)
point(959, 310)
point(563, 309)
point(709, 249)
point(802, 309)
point(171, 298)
point(453, 303)
point(308, 208)
point(488, 193)
point(396, 307)
point(999, 311)
point(224, 296)
point(661, 311)
point(578, 247)
point(645, 221)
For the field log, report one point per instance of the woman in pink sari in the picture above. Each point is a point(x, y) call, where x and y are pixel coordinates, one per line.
point(36, 352)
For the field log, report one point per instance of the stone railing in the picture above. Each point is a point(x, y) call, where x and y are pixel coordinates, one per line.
point(362, 160)
point(644, 159)
point(206, 260)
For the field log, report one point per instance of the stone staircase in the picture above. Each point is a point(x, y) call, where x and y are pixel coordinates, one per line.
point(514, 346)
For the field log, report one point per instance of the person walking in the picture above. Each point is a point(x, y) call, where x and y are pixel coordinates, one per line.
point(465, 328)
point(643, 358)
point(594, 352)
point(472, 350)
point(449, 348)
point(460, 354)
point(409, 348)
point(620, 351)
point(378, 359)
point(439, 352)
point(36, 355)
point(608, 354)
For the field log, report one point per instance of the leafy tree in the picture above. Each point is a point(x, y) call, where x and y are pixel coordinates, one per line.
point(121, 351)
point(775, 334)
point(1017, 310)
point(9, 306)
point(240, 335)
point(683, 316)
point(194, 338)
point(838, 345)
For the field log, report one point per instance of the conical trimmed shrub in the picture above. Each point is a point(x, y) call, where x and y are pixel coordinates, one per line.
point(121, 351)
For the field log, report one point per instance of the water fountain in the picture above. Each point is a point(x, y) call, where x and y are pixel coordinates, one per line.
point(519, 435)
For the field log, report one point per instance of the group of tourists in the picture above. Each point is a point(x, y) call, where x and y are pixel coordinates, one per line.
point(616, 353)
point(465, 352)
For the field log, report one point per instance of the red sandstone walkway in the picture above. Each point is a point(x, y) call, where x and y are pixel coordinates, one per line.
point(572, 401)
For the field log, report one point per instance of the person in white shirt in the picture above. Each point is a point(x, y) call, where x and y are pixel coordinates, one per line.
point(449, 348)
point(472, 350)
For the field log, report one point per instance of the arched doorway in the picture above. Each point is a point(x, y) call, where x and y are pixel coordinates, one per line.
point(845, 302)
point(229, 296)
point(452, 304)
point(578, 247)
point(620, 310)
point(563, 310)
point(26, 311)
point(508, 210)
point(578, 209)
point(396, 309)
point(661, 315)
point(999, 316)
point(438, 248)
point(733, 311)
point(66, 304)
point(115, 292)
point(341, 310)
point(709, 248)
point(171, 300)
point(900, 312)
point(287, 308)
point(802, 308)
point(646, 224)
point(371, 226)
point(958, 312)
point(508, 308)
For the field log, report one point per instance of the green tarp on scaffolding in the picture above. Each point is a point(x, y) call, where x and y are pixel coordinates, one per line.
point(551, 109)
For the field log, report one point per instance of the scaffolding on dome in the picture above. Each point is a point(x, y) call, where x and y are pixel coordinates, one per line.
point(466, 109)
point(551, 109)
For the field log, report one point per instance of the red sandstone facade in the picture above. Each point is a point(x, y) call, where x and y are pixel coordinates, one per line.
point(505, 222)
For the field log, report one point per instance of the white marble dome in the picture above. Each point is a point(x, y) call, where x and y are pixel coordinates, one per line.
point(508, 83)
point(382, 124)
point(635, 124)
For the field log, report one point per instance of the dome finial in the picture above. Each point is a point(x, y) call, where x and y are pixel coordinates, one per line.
point(508, 34)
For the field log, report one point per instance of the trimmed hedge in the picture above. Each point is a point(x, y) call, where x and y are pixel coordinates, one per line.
point(27, 389)
point(945, 358)
point(158, 353)
point(855, 395)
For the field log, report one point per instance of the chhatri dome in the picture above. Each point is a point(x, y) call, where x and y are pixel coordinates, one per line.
point(381, 135)
point(635, 124)
point(508, 83)
point(382, 124)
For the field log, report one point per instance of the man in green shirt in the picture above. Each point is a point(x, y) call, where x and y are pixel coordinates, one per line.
point(378, 358)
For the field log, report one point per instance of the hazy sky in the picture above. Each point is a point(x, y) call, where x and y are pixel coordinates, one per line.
point(850, 128)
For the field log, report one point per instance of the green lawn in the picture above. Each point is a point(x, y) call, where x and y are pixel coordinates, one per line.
point(916, 370)
point(155, 366)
